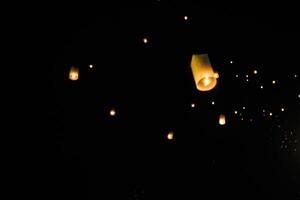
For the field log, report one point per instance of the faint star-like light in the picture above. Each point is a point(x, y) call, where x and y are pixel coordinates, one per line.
point(112, 112)
point(145, 40)
point(185, 18)
point(193, 105)
point(255, 71)
point(91, 66)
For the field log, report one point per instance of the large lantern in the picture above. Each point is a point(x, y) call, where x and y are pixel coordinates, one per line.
point(222, 119)
point(204, 76)
point(74, 73)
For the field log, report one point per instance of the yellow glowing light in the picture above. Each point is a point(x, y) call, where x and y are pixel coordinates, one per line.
point(235, 112)
point(185, 17)
point(204, 76)
point(145, 40)
point(74, 73)
point(170, 135)
point(270, 114)
point(222, 120)
point(91, 66)
point(193, 105)
point(112, 112)
point(255, 71)
point(273, 82)
point(206, 81)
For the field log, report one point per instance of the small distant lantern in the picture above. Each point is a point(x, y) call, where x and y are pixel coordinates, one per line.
point(222, 120)
point(170, 135)
point(112, 112)
point(74, 73)
point(204, 76)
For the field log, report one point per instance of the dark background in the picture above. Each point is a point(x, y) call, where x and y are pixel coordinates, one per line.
point(83, 153)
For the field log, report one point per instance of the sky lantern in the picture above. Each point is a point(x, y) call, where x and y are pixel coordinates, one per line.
point(222, 119)
point(74, 73)
point(170, 135)
point(204, 75)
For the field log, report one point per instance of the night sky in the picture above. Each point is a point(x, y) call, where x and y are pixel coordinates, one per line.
point(135, 60)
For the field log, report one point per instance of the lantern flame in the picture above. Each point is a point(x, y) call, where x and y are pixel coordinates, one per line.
point(204, 76)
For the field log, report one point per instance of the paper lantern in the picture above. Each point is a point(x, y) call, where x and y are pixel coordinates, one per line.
point(222, 119)
point(204, 76)
point(74, 73)
point(170, 135)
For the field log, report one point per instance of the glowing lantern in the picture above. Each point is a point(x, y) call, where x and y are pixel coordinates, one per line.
point(74, 73)
point(170, 135)
point(112, 112)
point(222, 120)
point(204, 76)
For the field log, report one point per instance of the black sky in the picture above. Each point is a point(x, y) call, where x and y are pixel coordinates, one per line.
point(86, 154)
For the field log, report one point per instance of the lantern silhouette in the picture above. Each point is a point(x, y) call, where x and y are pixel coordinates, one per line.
point(204, 76)
point(222, 119)
point(74, 73)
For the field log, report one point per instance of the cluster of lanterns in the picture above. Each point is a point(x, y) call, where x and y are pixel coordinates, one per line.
point(204, 76)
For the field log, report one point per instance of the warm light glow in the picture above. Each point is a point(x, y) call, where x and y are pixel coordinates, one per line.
point(247, 75)
point(282, 109)
point(255, 71)
point(170, 135)
point(193, 105)
point(222, 120)
point(74, 73)
point(271, 114)
point(112, 112)
point(145, 40)
point(91, 66)
point(185, 17)
point(273, 82)
point(204, 76)
point(206, 81)
point(235, 112)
